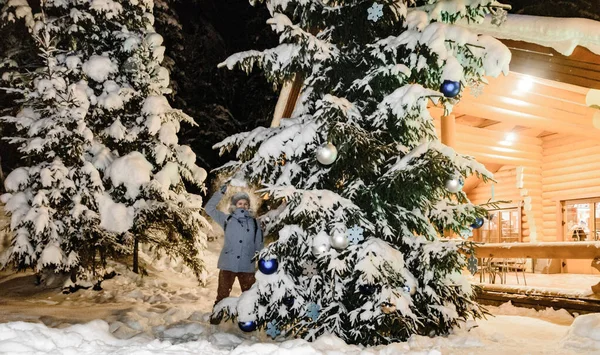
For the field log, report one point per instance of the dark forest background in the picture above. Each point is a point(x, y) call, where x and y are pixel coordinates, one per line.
point(198, 35)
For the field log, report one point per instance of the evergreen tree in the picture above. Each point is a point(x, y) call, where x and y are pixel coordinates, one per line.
point(51, 199)
point(113, 48)
point(18, 54)
point(360, 252)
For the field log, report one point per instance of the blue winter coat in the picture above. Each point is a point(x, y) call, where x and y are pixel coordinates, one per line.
point(242, 241)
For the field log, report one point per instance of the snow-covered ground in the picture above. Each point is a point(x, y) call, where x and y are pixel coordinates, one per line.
point(167, 313)
point(571, 282)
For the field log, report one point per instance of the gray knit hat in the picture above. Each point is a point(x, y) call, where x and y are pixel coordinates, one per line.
point(239, 196)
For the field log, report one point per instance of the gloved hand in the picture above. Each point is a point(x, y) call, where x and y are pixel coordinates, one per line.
point(223, 188)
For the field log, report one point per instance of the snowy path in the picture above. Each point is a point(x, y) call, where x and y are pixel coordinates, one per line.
point(499, 335)
point(167, 313)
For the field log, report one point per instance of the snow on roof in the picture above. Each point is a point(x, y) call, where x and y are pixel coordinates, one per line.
point(561, 34)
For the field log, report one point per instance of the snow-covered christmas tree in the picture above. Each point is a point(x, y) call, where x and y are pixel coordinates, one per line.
point(51, 200)
point(113, 57)
point(369, 190)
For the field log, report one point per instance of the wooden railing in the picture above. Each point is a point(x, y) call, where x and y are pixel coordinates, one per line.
point(550, 250)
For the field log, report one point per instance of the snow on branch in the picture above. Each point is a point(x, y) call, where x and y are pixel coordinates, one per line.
point(406, 101)
point(462, 162)
point(454, 10)
point(300, 52)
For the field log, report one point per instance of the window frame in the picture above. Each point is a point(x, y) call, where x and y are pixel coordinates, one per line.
point(594, 225)
point(514, 208)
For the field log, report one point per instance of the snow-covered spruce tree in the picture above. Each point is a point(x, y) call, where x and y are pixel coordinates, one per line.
point(168, 25)
point(360, 252)
point(17, 55)
point(113, 48)
point(137, 150)
point(51, 198)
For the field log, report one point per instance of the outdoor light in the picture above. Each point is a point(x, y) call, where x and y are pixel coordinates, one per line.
point(509, 138)
point(525, 84)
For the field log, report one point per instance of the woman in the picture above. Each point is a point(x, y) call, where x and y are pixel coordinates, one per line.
point(243, 238)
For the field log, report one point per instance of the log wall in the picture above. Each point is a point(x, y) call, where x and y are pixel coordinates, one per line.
point(520, 178)
point(570, 170)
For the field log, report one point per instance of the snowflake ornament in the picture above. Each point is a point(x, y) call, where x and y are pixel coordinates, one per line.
point(375, 12)
point(272, 330)
point(499, 17)
point(472, 264)
point(465, 233)
point(355, 234)
point(309, 269)
point(476, 90)
point(313, 311)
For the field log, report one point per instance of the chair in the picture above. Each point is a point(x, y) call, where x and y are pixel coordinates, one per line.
point(516, 265)
point(484, 266)
point(498, 268)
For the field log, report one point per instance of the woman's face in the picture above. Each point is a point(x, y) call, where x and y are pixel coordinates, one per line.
point(242, 204)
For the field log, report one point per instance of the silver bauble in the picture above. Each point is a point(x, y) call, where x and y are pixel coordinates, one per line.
point(339, 241)
point(326, 154)
point(409, 289)
point(320, 249)
point(455, 184)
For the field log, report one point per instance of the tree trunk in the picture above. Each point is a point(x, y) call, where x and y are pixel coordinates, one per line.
point(135, 255)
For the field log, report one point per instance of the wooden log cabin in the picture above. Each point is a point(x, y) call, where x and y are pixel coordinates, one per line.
point(538, 131)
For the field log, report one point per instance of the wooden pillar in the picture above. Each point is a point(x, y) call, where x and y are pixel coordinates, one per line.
point(448, 138)
point(449, 130)
point(288, 98)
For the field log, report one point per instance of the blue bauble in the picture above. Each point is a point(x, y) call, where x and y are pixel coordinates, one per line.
point(288, 301)
point(367, 290)
point(478, 223)
point(450, 88)
point(249, 326)
point(267, 266)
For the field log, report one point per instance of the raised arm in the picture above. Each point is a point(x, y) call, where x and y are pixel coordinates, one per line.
point(211, 208)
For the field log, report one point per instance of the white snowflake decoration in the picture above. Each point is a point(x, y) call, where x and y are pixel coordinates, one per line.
point(309, 269)
point(476, 90)
point(355, 234)
point(466, 232)
point(499, 17)
point(375, 12)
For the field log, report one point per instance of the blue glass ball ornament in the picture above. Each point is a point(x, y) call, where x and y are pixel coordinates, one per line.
point(267, 266)
point(288, 301)
point(367, 289)
point(450, 88)
point(478, 223)
point(249, 326)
